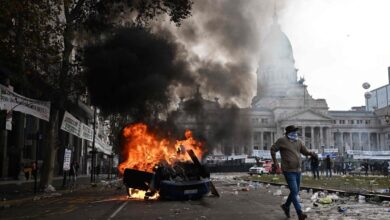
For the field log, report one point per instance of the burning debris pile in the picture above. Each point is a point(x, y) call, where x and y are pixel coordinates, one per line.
point(155, 167)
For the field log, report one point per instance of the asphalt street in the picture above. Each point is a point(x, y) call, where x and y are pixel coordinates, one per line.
point(109, 201)
point(238, 200)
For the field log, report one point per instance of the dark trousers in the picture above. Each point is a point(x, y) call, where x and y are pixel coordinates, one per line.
point(316, 172)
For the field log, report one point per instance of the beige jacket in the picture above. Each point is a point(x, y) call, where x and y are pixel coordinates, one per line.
point(290, 152)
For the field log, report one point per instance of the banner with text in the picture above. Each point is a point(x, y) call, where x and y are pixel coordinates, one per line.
point(72, 125)
point(12, 101)
point(86, 132)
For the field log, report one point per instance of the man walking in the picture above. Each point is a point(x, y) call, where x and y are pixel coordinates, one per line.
point(314, 162)
point(328, 166)
point(291, 148)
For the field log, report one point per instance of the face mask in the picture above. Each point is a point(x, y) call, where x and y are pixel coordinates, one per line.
point(292, 136)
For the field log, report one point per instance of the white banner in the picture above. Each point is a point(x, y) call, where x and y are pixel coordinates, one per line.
point(71, 124)
point(265, 154)
point(369, 153)
point(331, 150)
point(74, 126)
point(86, 132)
point(101, 146)
point(67, 157)
point(10, 100)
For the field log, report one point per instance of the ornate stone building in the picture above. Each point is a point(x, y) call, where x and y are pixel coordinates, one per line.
point(282, 99)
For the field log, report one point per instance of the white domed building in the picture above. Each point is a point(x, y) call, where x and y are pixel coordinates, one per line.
point(282, 99)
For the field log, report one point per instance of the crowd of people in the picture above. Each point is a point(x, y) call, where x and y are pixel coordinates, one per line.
point(328, 166)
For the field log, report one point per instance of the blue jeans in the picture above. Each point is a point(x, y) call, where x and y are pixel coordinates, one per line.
point(293, 180)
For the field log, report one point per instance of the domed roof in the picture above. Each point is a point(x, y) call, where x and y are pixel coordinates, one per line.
point(276, 46)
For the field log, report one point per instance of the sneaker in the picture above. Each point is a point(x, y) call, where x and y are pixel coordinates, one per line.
point(302, 216)
point(286, 211)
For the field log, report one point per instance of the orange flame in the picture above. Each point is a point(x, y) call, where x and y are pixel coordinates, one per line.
point(141, 194)
point(142, 150)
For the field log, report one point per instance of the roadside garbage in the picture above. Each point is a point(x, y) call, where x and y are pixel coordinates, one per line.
point(278, 193)
point(341, 209)
point(49, 189)
point(314, 197)
point(382, 190)
point(326, 200)
point(361, 199)
point(246, 189)
point(334, 197)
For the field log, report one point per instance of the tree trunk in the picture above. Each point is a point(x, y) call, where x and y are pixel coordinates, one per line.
point(50, 149)
point(52, 144)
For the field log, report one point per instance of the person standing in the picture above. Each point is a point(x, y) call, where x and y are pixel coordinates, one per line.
point(34, 167)
point(328, 166)
point(291, 148)
point(314, 163)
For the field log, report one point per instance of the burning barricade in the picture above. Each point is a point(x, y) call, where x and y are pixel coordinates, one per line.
point(158, 168)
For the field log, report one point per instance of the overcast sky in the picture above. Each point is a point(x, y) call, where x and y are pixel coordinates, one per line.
point(338, 45)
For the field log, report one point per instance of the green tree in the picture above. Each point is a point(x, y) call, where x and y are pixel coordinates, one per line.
point(41, 40)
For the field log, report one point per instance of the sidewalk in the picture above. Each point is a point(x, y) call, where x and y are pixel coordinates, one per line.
point(17, 189)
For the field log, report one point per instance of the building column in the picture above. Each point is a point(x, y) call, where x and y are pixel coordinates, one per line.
point(272, 138)
point(321, 137)
point(261, 140)
point(312, 136)
point(329, 137)
point(342, 141)
point(383, 144)
point(377, 141)
point(303, 135)
point(360, 145)
point(369, 140)
point(382, 140)
point(351, 140)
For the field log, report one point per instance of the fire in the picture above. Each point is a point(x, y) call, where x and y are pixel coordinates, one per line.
point(140, 194)
point(142, 150)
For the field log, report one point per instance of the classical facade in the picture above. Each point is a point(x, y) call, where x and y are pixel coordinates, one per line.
point(282, 99)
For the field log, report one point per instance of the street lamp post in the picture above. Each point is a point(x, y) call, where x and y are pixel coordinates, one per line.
point(93, 147)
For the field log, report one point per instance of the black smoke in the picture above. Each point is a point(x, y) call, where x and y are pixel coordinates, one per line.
point(131, 72)
point(221, 42)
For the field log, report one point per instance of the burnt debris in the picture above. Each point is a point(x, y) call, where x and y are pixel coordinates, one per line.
point(180, 181)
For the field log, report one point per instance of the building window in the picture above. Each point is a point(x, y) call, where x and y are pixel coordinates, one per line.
point(342, 122)
point(264, 120)
point(265, 147)
point(368, 122)
point(352, 122)
point(255, 147)
point(359, 122)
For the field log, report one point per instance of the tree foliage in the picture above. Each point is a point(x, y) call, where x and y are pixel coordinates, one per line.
point(41, 41)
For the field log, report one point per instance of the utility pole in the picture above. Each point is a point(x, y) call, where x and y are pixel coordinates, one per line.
point(93, 147)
